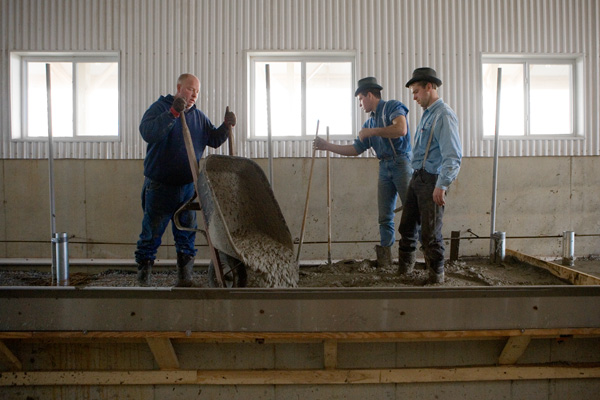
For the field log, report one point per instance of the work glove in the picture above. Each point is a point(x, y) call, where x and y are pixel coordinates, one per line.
point(229, 120)
point(178, 106)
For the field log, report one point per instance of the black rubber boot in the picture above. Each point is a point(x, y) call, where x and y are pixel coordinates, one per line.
point(384, 256)
point(144, 272)
point(406, 262)
point(436, 273)
point(185, 268)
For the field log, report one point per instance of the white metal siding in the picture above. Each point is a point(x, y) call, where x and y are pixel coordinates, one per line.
point(158, 39)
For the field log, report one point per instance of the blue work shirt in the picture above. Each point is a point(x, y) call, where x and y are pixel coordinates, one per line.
point(383, 116)
point(445, 152)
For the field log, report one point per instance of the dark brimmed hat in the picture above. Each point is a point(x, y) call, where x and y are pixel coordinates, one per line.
point(367, 83)
point(424, 74)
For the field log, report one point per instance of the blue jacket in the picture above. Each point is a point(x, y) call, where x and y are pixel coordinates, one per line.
point(166, 157)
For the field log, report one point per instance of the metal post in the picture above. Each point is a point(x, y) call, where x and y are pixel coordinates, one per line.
point(499, 250)
point(51, 169)
point(270, 140)
point(60, 257)
point(454, 245)
point(568, 248)
point(495, 178)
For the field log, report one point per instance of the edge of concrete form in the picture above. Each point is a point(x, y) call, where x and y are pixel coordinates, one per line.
point(357, 343)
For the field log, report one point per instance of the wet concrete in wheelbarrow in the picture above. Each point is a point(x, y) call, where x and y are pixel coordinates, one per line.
point(345, 273)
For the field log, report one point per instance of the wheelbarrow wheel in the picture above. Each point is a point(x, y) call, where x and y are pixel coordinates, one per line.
point(234, 272)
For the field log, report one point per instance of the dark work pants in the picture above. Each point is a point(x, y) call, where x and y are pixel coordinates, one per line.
point(420, 210)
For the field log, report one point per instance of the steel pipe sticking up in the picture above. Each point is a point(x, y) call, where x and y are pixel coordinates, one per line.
point(568, 248)
point(60, 257)
point(499, 249)
point(495, 177)
point(269, 136)
point(60, 254)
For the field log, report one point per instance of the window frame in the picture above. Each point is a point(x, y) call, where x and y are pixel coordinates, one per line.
point(307, 132)
point(19, 88)
point(576, 84)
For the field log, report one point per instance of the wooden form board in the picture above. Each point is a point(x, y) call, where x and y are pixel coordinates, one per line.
point(573, 276)
point(299, 377)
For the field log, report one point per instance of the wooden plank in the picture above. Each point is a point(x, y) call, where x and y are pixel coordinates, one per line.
point(330, 354)
point(299, 377)
point(514, 349)
point(296, 337)
point(164, 353)
point(571, 275)
point(9, 359)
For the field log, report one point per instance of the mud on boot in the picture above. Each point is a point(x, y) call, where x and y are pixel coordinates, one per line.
point(406, 261)
point(144, 272)
point(436, 273)
point(185, 268)
point(384, 256)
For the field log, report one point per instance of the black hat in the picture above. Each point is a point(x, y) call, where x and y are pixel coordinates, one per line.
point(424, 74)
point(367, 83)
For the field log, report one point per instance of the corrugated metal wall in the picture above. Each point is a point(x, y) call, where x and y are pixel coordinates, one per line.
point(159, 39)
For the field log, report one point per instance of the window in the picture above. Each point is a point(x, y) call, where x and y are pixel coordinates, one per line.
point(84, 96)
point(304, 89)
point(539, 97)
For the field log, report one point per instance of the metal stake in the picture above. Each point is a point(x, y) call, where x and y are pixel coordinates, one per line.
point(495, 178)
point(568, 248)
point(270, 140)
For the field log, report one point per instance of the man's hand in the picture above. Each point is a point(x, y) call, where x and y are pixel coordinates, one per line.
point(179, 104)
point(320, 144)
point(439, 196)
point(229, 119)
point(365, 133)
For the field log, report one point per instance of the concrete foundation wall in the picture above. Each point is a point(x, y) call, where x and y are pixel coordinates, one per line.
point(98, 205)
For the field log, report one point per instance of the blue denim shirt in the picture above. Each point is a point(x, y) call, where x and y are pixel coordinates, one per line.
point(383, 116)
point(445, 152)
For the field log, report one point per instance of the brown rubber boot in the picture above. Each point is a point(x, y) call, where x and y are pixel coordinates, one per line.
point(384, 256)
point(185, 268)
point(144, 272)
point(406, 262)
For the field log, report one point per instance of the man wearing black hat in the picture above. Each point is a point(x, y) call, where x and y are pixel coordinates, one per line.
point(386, 131)
point(436, 162)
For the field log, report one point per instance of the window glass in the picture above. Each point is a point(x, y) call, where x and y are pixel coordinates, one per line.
point(329, 96)
point(550, 99)
point(537, 96)
point(304, 89)
point(84, 96)
point(286, 99)
point(512, 101)
point(97, 99)
point(61, 88)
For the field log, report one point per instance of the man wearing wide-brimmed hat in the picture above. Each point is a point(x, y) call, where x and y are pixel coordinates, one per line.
point(385, 131)
point(436, 161)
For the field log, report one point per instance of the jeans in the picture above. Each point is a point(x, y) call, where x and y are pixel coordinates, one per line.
point(394, 178)
point(421, 210)
point(160, 202)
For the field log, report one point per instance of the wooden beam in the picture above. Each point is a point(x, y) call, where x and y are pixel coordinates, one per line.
point(330, 354)
point(514, 349)
point(164, 353)
point(9, 359)
point(296, 337)
point(299, 377)
point(571, 275)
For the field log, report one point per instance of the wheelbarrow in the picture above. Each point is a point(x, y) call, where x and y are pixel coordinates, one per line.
point(241, 219)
